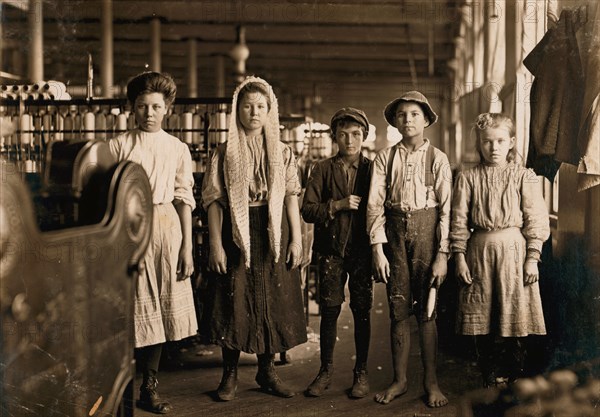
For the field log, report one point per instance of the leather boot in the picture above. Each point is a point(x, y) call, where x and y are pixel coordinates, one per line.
point(149, 398)
point(268, 379)
point(360, 386)
point(321, 382)
point(229, 381)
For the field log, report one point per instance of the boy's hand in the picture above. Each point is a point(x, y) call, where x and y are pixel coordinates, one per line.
point(349, 203)
point(462, 269)
point(381, 266)
point(530, 272)
point(217, 259)
point(439, 270)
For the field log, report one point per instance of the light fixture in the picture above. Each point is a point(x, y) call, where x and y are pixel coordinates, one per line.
point(240, 53)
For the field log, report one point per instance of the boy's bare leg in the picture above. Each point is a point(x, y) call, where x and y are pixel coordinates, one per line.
point(400, 338)
point(429, 339)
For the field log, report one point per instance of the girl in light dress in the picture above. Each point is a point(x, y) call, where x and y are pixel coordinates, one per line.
point(499, 223)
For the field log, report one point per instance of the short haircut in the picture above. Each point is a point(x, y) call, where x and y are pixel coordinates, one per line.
point(152, 82)
point(345, 121)
point(421, 105)
point(491, 121)
point(254, 88)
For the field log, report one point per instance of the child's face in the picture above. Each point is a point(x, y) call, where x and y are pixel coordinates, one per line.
point(150, 110)
point(495, 143)
point(410, 119)
point(349, 138)
point(253, 109)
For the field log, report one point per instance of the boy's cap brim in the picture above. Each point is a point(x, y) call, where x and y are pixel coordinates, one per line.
point(350, 112)
point(412, 96)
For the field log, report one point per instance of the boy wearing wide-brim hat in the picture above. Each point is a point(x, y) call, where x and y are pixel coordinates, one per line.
point(335, 201)
point(408, 217)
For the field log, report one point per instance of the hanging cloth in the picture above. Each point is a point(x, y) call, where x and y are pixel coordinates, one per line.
point(555, 97)
point(589, 133)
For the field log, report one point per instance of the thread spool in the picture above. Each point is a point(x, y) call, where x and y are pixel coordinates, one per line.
point(100, 125)
point(29, 166)
point(69, 126)
point(121, 123)
point(173, 123)
point(89, 125)
point(196, 125)
point(59, 126)
point(221, 126)
point(131, 121)
point(187, 124)
point(47, 126)
point(26, 128)
point(111, 120)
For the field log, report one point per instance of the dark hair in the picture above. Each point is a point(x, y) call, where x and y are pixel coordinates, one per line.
point(254, 88)
point(152, 82)
point(421, 105)
point(490, 121)
point(345, 121)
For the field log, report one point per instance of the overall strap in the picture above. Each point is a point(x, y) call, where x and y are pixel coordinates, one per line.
point(429, 178)
point(388, 177)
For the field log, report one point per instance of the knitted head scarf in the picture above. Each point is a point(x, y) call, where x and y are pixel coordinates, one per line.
point(236, 161)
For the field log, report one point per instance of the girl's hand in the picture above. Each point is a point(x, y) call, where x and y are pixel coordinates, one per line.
point(294, 255)
point(530, 272)
point(462, 270)
point(185, 264)
point(217, 259)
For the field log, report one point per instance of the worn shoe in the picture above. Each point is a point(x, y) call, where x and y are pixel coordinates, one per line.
point(228, 386)
point(269, 381)
point(149, 398)
point(360, 386)
point(321, 382)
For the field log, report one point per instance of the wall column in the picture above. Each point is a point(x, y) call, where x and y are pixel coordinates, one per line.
point(192, 69)
point(155, 52)
point(35, 19)
point(107, 57)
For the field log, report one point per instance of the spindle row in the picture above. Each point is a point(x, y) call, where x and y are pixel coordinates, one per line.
point(28, 128)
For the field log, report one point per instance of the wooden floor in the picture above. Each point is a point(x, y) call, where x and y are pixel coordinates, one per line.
point(189, 381)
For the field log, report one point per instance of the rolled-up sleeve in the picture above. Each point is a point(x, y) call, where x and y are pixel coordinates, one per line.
point(377, 195)
point(443, 191)
point(184, 179)
point(459, 227)
point(536, 223)
point(313, 209)
point(213, 184)
point(292, 182)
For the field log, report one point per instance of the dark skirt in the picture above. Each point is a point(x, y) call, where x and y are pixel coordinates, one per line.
point(260, 309)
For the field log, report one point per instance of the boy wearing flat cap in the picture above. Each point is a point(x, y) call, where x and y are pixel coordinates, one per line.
point(335, 201)
point(408, 217)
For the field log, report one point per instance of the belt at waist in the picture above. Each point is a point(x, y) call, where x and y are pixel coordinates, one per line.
point(258, 203)
point(504, 229)
point(395, 211)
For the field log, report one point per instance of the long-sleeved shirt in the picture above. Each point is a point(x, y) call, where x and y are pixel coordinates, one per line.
point(492, 198)
point(408, 191)
point(166, 160)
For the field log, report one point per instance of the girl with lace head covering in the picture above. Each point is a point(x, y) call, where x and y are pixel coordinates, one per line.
point(250, 191)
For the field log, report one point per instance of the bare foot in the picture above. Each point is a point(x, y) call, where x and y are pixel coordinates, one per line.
point(435, 398)
point(393, 391)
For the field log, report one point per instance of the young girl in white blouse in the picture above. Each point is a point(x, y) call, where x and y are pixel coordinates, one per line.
point(499, 222)
point(164, 304)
